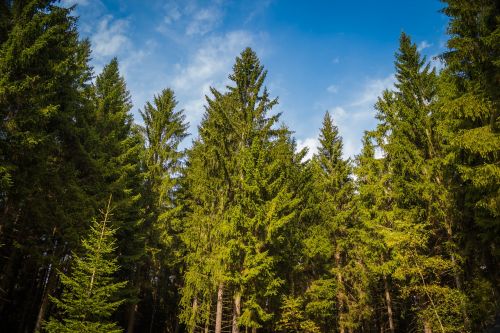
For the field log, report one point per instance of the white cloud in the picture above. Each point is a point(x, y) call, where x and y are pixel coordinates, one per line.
point(172, 13)
point(208, 66)
point(338, 114)
point(436, 63)
point(203, 21)
point(373, 89)
point(189, 18)
point(311, 144)
point(423, 45)
point(332, 89)
point(109, 38)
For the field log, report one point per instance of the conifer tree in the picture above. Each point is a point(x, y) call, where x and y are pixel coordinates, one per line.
point(421, 235)
point(89, 290)
point(237, 174)
point(164, 129)
point(117, 154)
point(44, 162)
point(327, 241)
point(471, 104)
point(373, 204)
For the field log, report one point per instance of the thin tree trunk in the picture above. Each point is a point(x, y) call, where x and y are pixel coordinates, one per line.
point(389, 304)
point(131, 318)
point(340, 293)
point(236, 312)
point(427, 327)
point(51, 281)
point(218, 313)
point(254, 329)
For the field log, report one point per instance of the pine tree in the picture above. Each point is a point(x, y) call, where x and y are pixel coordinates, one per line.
point(89, 290)
point(420, 239)
point(471, 104)
point(117, 154)
point(328, 241)
point(164, 130)
point(44, 161)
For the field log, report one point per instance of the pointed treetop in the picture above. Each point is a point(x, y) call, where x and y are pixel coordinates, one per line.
point(330, 141)
point(409, 63)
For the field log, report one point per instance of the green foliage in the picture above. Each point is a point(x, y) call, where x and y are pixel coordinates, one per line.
point(239, 228)
point(293, 319)
point(89, 290)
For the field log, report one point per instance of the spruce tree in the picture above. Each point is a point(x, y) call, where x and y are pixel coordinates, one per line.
point(89, 290)
point(471, 104)
point(164, 129)
point(327, 241)
point(420, 239)
point(237, 178)
point(44, 162)
point(118, 151)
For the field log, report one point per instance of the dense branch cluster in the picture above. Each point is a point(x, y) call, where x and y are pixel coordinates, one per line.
point(240, 232)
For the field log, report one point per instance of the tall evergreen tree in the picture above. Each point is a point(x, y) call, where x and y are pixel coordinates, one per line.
point(89, 296)
point(326, 241)
point(237, 179)
point(164, 129)
point(44, 162)
point(420, 239)
point(471, 103)
point(118, 151)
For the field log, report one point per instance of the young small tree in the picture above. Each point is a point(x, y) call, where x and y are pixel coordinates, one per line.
point(88, 298)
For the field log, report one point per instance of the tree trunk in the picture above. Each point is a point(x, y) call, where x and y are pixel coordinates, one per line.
point(236, 312)
point(254, 329)
point(218, 314)
point(131, 318)
point(192, 320)
point(340, 293)
point(427, 327)
point(389, 304)
point(51, 282)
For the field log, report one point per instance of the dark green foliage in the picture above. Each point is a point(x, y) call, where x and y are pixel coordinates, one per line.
point(471, 103)
point(159, 272)
point(117, 153)
point(239, 232)
point(43, 159)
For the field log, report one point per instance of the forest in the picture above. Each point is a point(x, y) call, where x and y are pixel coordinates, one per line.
point(108, 225)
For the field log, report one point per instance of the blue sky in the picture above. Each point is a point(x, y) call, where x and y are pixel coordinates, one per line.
point(321, 55)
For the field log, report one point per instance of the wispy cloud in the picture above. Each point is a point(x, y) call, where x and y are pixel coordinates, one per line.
point(372, 89)
point(333, 89)
point(189, 19)
point(208, 66)
point(110, 37)
point(311, 144)
point(69, 3)
point(423, 45)
point(203, 21)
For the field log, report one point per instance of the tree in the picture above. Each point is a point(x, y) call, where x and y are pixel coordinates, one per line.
point(327, 244)
point(44, 158)
point(471, 104)
point(89, 290)
point(164, 129)
point(117, 152)
point(237, 176)
point(420, 238)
